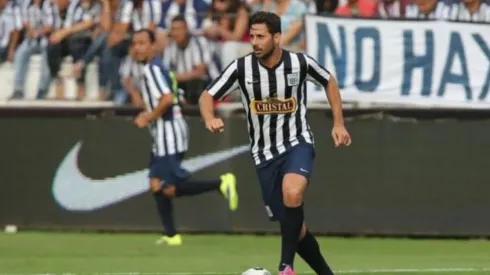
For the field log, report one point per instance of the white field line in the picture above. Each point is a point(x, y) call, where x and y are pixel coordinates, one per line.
point(352, 271)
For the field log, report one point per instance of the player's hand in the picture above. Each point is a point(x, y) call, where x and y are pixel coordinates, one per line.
point(142, 120)
point(341, 136)
point(215, 125)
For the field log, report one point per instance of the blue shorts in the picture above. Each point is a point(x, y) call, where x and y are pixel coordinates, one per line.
point(168, 169)
point(298, 160)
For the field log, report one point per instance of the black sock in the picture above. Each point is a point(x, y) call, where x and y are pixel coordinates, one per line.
point(291, 225)
point(190, 188)
point(309, 250)
point(165, 209)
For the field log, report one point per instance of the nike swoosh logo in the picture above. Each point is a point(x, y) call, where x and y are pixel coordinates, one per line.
point(74, 191)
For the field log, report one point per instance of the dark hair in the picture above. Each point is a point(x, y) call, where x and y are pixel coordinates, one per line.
point(179, 18)
point(271, 20)
point(150, 33)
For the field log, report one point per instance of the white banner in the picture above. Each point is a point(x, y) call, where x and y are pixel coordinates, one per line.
point(403, 62)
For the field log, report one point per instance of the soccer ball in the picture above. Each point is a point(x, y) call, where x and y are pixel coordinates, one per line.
point(257, 271)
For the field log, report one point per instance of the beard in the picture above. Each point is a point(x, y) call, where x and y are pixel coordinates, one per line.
point(266, 55)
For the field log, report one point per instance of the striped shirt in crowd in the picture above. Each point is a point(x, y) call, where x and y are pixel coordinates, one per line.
point(481, 15)
point(10, 20)
point(274, 100)
point(197, 52)
point(195, 12)
point(151, 12)
point(444, 10)
point(39, 17)
point(82, 10)
point(170, 132)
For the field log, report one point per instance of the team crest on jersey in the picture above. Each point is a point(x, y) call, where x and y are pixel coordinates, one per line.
point(273, 105)
point(293, 79)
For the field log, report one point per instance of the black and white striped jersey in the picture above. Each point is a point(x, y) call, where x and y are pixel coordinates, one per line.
point(274, 100)
point(78, 11)
point(38, 17)
point(197, 52)
point(444, 10)
point(170, 132)
point(150, 12)
point(10, 21)
point(482, 15)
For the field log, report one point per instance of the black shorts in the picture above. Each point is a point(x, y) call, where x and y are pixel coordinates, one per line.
point(168, 169)
point(298, 160)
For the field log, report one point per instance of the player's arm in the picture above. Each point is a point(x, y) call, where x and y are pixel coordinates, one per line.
point(321, 76)
point(335, 100)
point(224, 84)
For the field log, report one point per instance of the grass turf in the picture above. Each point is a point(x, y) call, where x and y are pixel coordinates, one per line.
point(89, 253)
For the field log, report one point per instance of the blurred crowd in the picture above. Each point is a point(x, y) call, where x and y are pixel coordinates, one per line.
point(195, 37)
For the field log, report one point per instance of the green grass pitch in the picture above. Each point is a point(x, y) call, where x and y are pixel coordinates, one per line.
point(121, 254)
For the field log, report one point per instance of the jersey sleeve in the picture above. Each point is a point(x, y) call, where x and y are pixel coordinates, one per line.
point(225, 83)
point(156, 83)
point(316, 73)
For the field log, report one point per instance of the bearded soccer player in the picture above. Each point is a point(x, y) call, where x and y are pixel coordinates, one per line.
point(273, 86)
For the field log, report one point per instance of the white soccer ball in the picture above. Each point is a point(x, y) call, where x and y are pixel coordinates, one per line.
point(257, 271)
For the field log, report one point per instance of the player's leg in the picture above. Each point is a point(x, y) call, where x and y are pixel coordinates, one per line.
point(158, 175)
point(271, 177)
point(298, 170)
point(309, 250)
point(164, 208)
point(293, 187)
point(184, 186)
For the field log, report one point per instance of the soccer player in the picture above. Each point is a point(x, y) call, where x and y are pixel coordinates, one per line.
point(273, 86)
point(168, 179)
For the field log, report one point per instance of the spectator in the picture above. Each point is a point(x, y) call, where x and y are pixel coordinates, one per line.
point(190, 58)
point(392, 8)
point(311, 6)
point(110, 11)
point(326, 6)
point(358, 8)
point(73, 39)
point(11, 22)
point(135, 15)
point(292, 13)
point(432, 9)
point(40, 18)
point(229, 21)
point(194, 12)
point(131, 73)
point(474, 11)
